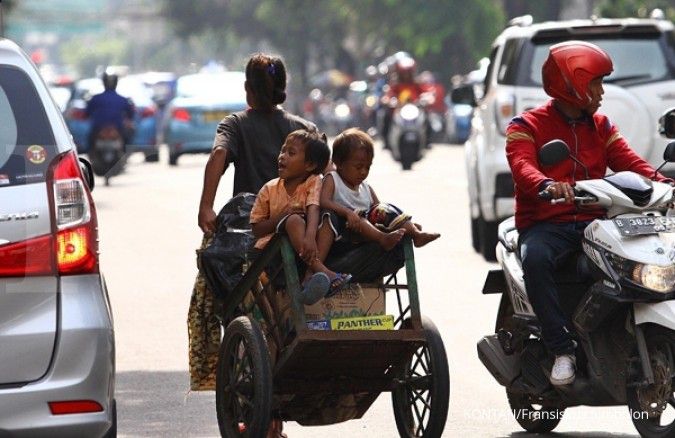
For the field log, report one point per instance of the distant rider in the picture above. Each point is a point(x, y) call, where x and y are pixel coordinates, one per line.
point(572, 75)
point(110, 109)
point(402, 89)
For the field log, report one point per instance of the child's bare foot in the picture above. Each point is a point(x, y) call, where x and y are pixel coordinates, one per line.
point(421, 239)
point(390, 240)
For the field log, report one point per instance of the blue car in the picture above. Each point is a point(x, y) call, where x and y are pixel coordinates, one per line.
point(202, 101)
point(145, 138)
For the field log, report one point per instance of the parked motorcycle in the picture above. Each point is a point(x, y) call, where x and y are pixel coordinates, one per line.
point(408, 134)
point(107, 153)
point(620, 296)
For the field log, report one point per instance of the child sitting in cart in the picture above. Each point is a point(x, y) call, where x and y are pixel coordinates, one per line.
point(290, 204)
point(353, 210)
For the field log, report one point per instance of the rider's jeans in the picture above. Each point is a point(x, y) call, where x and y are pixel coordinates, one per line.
point(542, 247)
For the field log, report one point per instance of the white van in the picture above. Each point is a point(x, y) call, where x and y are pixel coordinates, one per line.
point(641, 88)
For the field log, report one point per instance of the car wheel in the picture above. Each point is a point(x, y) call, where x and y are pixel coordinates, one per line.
point(152, 157)
point(475, 238)
point(173, 159)
point(487, 236)
point(112, 432)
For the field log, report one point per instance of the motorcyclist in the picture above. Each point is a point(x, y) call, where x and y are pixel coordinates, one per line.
point(572, 75)
point(402, 89)
point(110, 109)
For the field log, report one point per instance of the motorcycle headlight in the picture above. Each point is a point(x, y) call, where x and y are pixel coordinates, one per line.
point(409, 112)
point(342, 110)
point(655, 277)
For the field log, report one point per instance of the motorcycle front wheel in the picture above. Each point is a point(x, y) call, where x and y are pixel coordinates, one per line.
point(652, 407)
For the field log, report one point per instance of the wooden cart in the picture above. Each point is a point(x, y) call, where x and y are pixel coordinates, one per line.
point(268, 368)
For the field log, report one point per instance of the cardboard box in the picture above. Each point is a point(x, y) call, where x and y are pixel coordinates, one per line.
point(355, 300)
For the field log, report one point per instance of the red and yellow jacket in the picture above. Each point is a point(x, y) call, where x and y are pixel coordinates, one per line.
point(594, 141)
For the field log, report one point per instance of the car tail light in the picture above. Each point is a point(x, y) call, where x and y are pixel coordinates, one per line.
point(76, 114)
point(181, 114)
point(505, 110)
point(148, 111)
point(27, 258)
point(76, 246)
point(72, 247)
point(74, 407)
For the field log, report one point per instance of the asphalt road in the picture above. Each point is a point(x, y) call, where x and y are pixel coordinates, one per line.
point(148, 232)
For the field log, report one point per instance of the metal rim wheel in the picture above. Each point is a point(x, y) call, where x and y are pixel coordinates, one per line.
point(421, 400)
point(652, 407)
point(533, 413)
point(243, 381)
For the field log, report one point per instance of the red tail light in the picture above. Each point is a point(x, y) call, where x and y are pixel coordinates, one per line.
point(148, 111)
point(74, 407)
point(76, 246)
point(27, 258)
point(181, 114)
point(72, 246)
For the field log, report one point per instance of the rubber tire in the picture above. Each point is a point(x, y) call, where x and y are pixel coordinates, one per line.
point(540, 425)
point(475, 237)
point(152, 157)
point(251, 334)
point(644, 427)
point(487, 236)
point(440, 387)
point(112, 432)
point(173, 159)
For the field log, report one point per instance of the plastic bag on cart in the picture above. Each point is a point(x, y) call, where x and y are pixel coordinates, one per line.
point(223, 259)
point(367, 261)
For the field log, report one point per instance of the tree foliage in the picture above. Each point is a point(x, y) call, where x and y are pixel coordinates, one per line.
point(635, 8)
point(446, 36)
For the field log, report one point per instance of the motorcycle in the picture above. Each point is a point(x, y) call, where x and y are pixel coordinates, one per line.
point(408, 134)
point(107, 153)
point(620, 296)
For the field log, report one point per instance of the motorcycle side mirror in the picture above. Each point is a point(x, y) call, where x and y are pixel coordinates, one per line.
point(553, 152)
point(88, 172)
point(667, 124)
point(669, 153)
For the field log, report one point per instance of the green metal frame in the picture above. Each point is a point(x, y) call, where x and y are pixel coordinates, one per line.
point(280, 243)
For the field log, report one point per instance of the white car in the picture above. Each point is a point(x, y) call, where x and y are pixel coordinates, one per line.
point(57, 348)
point(639, 90)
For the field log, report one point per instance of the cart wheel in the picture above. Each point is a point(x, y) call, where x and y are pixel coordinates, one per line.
point(421, 401)
point(243, 381)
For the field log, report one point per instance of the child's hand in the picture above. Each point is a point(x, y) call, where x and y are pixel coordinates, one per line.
point(354, 221)
point(308, 250)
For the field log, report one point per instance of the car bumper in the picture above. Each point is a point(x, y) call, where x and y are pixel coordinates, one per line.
point(186, 138)
point(83, 368)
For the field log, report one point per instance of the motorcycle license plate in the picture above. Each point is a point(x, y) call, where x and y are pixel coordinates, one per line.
point(215, 116)
point(635, 226)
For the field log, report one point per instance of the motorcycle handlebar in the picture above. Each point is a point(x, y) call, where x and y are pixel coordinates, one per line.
point(545, 195)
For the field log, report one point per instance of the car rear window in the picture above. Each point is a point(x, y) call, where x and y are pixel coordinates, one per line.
point(636, 61)
point(27, 142)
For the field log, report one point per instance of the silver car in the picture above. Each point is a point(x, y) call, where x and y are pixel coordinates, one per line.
point(57, 356)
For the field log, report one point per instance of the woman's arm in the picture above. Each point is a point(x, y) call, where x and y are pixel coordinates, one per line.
point(215, 167)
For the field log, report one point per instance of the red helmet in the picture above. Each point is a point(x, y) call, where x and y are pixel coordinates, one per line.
point(569, 68)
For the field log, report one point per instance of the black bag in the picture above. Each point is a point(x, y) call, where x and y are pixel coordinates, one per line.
point(223, 259)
